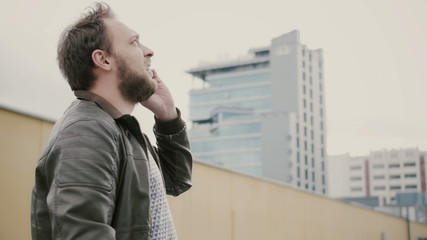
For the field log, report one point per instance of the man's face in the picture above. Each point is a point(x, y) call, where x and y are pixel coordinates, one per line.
point(132, 62)
point(134, 86)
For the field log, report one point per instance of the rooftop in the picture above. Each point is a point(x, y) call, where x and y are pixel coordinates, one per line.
point(256, 57)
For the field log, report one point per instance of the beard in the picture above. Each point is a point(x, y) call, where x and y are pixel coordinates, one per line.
point(134, 87)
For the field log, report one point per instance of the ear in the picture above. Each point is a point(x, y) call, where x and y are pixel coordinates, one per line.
point(100, 58)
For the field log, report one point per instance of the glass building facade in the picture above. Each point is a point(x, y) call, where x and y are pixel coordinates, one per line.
point(262, 115)
point(226, 121)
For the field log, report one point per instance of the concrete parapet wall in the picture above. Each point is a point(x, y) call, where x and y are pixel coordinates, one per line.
point(221, 205)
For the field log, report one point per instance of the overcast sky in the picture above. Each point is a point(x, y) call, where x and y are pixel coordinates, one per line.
point(375, 55)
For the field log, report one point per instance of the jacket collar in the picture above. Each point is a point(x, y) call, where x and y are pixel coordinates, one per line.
point(102, 102)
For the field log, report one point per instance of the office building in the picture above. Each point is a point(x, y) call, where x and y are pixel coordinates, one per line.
point(381, 174)
point(264, 114)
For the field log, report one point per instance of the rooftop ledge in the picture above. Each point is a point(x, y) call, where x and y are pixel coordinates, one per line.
point(209, 66)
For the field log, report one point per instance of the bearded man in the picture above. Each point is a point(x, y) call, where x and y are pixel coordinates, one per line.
point(99, 177)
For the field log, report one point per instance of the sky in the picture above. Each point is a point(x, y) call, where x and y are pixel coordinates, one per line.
point(375, 55)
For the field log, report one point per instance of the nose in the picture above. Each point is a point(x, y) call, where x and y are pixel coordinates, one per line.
point(147, 52)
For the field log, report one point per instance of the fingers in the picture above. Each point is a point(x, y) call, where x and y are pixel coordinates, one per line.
point(155, 76)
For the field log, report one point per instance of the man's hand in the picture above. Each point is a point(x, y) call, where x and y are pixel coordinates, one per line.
point(161, 102)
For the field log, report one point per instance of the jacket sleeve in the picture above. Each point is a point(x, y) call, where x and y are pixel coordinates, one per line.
point(82, 165)
point(174, 153)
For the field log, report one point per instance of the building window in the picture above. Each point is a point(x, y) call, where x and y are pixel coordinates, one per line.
point(395, 187)
point(298, 172)
point(323, 152)
point(303, 89)
point(312, 134)
point(304, 103)
point(297, 142)
point(305, 159)
point(306, 174)
point(303, 75)
point(313, 177)
point(323, 179)
point(311, 94)
point(312, 148)
point(311, 107)
point(394, 176)
point(410, 175)
point(305, 131)
point(305, 117)
point(298, 156)
point(306, 186)
point(321, 125)
point(409, 164)
point(356, 167)
point(303, 64)
point(312, 162)
point(379, 177)
point(379, 188)
point(378, 166)
point(297, 128)
point(355, 178)
point(356, 189)
point(321, 99)
point(311, 121)
point(411, 187)
point(394, 165)
point(305, 145)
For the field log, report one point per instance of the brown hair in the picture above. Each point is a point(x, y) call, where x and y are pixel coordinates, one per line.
point(77, 43)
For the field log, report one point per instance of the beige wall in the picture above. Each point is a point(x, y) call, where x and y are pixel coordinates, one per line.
point(224, 205)
point(221, 205)
point(21, 143)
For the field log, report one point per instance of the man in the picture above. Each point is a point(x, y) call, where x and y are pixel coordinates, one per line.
point(99, 177)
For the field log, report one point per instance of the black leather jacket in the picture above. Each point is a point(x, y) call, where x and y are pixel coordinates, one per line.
point(92, 180)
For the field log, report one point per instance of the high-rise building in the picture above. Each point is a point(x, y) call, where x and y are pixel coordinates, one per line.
point(381, 174)
point(264, 114)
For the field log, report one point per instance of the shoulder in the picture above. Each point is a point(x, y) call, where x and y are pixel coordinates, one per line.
point(83, 117)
